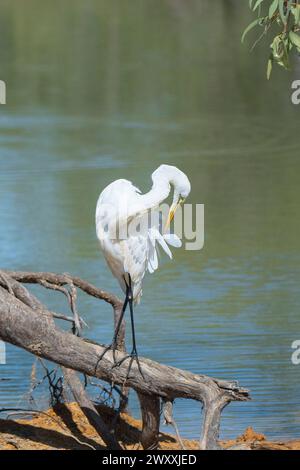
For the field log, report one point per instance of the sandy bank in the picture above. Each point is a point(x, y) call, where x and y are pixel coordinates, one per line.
point(65, 427)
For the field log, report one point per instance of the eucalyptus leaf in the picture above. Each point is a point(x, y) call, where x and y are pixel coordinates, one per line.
point(279, 47)
point(257, 3)
point(269, 67)
point(296, 12)
point(281, 11)
point(284, 10)
point(283, 15)
point(294, 38)
point(273, 8)
point(249, 27)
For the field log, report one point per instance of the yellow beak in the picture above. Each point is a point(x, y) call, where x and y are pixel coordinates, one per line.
point(172, 211)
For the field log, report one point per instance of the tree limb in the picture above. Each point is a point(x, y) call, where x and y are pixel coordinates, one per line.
point(62, 280)
point(89, 409)
point(20, 292)
point(27, 328)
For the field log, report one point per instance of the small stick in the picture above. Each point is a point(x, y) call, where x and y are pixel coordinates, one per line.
point(169, 420)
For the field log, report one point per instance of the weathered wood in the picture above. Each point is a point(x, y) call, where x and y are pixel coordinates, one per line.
point(86, 405)
point(62, 280)
point(89, 409)
point(27, 328)
point(169, 419)
point(212, 407)
point(25, 322)
point(150, 408)
point(24, 327)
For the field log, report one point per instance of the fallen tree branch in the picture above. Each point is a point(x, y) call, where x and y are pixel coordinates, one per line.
point(47, 279)
point(169, 420)
point(57, 282)
point(62, 280)
point(25, 327)
point(150, 408)
point(89, 409)
point(20, 292)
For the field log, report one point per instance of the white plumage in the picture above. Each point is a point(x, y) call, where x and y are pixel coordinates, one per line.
point(120, 208)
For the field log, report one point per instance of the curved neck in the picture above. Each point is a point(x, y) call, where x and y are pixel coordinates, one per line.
point(158, 193)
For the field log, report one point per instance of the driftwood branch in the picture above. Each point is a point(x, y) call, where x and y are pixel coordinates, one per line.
point(89, 409)
point(29, 327)
point(86, 405)
point(58, 281)
point(63, 280)
point(169, 419)
point(150, 408)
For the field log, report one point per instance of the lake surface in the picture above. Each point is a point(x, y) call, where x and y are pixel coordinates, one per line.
point(104, 90)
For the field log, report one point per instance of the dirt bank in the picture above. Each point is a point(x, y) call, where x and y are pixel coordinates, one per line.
point(65, 427)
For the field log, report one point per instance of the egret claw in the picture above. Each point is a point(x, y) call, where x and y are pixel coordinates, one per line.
point(133, 356)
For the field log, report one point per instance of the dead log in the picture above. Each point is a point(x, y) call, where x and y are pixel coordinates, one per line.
point(62, 280)
point(89, 409)
point(30, 329)
point(169, 419)
point(150, 408)
point(78, 391)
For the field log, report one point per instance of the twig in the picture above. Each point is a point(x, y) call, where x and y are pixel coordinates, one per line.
point(71, 296)
point(169, 420)
point(55, 387)
point(61, 279)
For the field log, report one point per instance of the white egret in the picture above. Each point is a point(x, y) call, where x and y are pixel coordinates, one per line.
point(134, 251)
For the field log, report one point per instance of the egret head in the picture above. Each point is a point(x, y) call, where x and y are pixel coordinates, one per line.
point(181, 185)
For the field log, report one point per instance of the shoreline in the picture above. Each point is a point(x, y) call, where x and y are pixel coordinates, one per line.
point(65, 427)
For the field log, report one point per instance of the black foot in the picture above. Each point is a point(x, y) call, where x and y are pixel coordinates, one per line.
point(111, 347)
point(133, 356)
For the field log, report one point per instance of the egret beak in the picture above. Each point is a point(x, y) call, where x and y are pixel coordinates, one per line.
point(172, 211)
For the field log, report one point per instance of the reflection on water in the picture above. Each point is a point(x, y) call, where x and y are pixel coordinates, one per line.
point(113, 89)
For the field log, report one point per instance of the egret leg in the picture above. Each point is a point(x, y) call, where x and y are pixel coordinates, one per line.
point(134, 354)
point(113, 345)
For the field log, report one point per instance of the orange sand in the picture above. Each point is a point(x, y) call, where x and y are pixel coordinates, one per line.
point(66, 427)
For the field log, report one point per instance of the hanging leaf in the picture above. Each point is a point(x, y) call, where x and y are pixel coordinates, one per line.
point(273, 8)
point(249, 27)
point(295, 39)
point(283, 15)
point(269, 67)
point(284, 10)
point(295, 10)
point(258, 2)
point(279, 48)
point(281, 11)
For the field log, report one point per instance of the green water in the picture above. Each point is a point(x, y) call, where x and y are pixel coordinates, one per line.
point(98, 90)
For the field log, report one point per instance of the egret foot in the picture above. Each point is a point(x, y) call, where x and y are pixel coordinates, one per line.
point(133, 356)
point(111, 347)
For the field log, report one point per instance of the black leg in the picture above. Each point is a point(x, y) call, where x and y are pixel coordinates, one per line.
point(114, 340)
point(131, 317)
point(133, 355)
